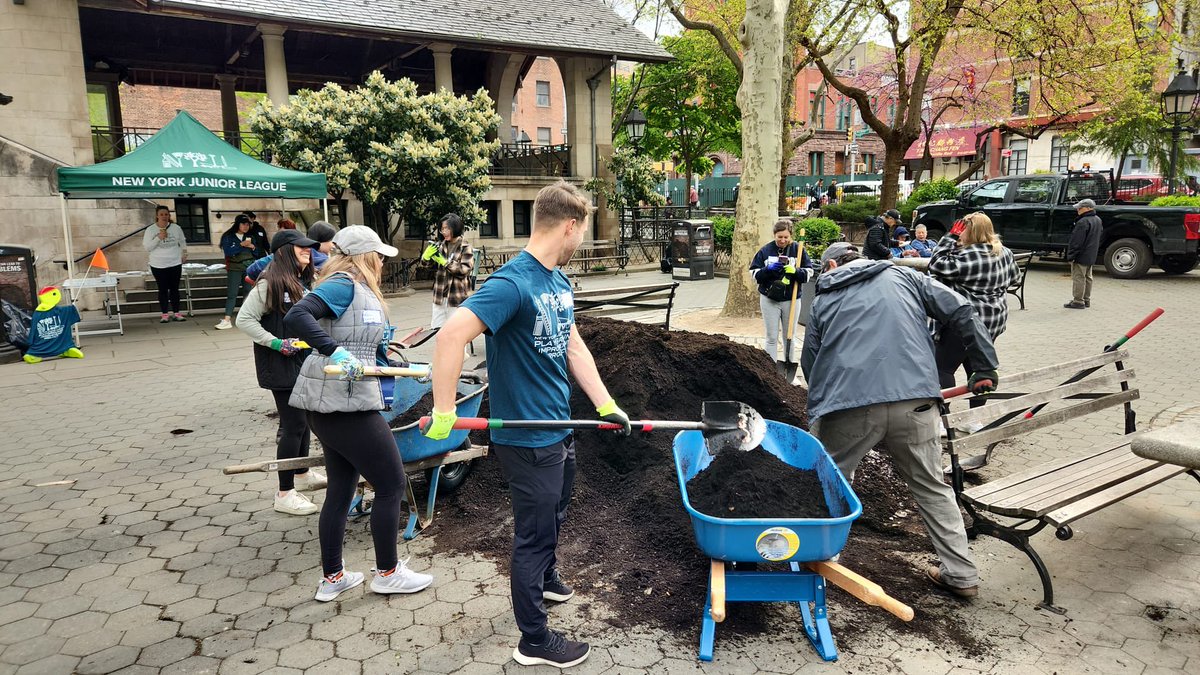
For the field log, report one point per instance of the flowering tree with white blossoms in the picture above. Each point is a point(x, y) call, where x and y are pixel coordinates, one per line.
point(413, 156)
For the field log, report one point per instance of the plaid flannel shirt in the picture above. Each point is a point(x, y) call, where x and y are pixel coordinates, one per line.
point(977, 275)
point(452, 281)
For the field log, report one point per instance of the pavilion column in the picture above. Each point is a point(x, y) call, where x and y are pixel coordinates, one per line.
point(274, 63)
point(230, 123)
point(587, 86)
point(443, 74)
point(504, 71)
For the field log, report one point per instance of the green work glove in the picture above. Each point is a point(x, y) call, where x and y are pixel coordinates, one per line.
point(439, 260)
point(609, 412)
point(983, 381)
point(429, 252)
point(440, 425)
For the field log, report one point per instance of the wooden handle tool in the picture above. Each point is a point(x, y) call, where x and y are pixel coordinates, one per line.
point(383, 371)
point(860, 587)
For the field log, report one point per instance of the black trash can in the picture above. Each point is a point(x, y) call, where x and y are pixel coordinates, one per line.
point(692, 250)
point(18, 293)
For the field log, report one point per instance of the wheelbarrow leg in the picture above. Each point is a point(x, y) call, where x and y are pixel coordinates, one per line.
point(716, 592)
point(415, 522)
point(816, 619)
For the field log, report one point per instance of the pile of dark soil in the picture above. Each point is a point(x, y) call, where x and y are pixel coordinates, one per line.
point(628, 542)
point(756, 484)
point(421, 409)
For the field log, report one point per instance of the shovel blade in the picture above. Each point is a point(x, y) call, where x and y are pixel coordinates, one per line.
point(787, 370)
point(731, 425)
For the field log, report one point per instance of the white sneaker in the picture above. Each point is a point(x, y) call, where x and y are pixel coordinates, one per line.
point(224, 325)
point(400, 580)
point(294, 503)
point(312, 480)
point(328, 590)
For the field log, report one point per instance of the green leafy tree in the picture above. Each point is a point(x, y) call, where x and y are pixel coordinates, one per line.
point(636, 180)
point(690, 103)
point(413, 156)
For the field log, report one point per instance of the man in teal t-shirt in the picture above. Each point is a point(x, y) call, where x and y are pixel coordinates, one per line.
point(527, 310)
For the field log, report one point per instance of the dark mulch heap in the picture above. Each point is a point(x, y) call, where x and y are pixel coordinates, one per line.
point(422, 408)
point(756, 484)
point(628, 541)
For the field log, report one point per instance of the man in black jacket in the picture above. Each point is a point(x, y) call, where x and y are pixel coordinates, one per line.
point(878, 244)
point(1082, 251)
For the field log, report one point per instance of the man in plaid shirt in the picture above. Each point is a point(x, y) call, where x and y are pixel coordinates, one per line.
point(452, 278)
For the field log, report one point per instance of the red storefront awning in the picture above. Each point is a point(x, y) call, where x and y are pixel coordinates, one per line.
point(948, 143)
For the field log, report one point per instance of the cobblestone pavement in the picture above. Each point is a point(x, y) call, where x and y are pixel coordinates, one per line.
point(150, 560)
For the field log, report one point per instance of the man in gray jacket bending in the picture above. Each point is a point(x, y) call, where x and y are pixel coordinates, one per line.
point(870, 315)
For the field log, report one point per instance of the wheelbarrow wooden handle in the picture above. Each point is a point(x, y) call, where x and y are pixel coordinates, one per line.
point(383, 371)
point(478, 423)
point(860, 587)
point(716, 581)
point(273, 465)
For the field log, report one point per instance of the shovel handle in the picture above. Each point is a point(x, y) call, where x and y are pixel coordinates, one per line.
point(954, 391)
point(479, 423)
point(860, 587)
point(383, 371)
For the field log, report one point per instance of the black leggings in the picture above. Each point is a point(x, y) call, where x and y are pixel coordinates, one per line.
point(291, 440)
point(167, 279)
point(359, 443)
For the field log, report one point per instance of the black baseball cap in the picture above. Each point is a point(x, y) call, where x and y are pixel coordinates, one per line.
point(892, 213)
point(292, 237)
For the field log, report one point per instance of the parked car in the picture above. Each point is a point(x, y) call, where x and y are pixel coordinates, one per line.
point(873, 187)
point(1035, 213)
point(1141, 188)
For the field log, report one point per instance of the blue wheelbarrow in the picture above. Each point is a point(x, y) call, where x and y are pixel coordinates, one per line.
point(806, 544)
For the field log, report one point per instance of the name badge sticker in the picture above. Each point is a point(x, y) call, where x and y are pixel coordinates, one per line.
point(372, 317)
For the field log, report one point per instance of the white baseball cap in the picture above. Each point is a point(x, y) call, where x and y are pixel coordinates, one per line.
point(358, 239)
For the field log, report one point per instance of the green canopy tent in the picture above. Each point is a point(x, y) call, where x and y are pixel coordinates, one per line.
point(187, 161)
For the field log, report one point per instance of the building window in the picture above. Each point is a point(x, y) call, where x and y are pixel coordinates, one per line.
point(816, 163)
point(491, 227)
point(192, 217)
point(818, 104)
point(868, 162)
point(845, 109)
point(1135, 164)
point(1017, 162)
point(522, 217)
point(1060, 155)
point(514, 134)
point(543, 135)
point(416, 231)
point(853, 64)
point(891, 111)
point(543, 94)
point(718, 169)
point(1020, 101)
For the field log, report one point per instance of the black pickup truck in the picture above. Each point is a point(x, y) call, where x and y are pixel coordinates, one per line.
point(1035, 213)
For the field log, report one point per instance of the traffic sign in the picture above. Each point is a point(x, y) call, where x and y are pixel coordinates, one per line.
point(1006, 152)
point(853, 147)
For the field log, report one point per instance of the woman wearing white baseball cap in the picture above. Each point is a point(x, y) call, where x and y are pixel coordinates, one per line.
point(345, 322)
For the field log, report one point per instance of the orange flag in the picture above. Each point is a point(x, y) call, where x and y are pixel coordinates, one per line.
point(99, 260)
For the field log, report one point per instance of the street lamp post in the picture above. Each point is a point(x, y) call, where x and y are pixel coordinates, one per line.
point(635, 125)
point(1178, 102)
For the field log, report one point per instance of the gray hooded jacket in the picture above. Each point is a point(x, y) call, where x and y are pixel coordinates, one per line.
point(867, 336)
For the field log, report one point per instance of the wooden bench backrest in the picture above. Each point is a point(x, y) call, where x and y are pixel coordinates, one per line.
point(1110, 385)
point(627, 299)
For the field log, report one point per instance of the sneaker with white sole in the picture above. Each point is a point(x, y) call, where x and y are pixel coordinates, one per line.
point(295, 504)
point(311, 480)
point(400, 580)
point(224, 325)
point(555, 651)
point(330, 588)
point(554, 589)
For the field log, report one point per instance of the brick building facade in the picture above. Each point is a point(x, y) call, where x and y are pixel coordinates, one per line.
point(539, 107)
point(153, 107)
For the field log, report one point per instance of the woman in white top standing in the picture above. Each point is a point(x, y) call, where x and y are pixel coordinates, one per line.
point(167, 246)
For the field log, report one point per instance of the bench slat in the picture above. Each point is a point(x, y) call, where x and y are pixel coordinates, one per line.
point(1064, 370)
point(995, 410)
point(622, 290)
point(1039, 421)
point(1067, 485)
point(984, 492)
point(1116, 493)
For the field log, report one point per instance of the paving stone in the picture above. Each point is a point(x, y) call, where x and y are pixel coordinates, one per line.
point(91, 642)
point(151, 633)
point(335, 667)
point(360, 646)
point(444, 658)
point(196, 665)
point(58, 663)
point(33, 649)
point(250, 662)
point(227, 643)
point(167, 652)
point(23, 629)
point(107, 661)
point(306, 654)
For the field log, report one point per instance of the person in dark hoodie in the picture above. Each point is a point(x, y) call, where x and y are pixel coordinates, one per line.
point(878, 243)
point(1082, 250)
point(775, 267)
point(870, 314)
point(320, 232)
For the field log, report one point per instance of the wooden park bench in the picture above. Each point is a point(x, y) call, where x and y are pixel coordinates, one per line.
point(628, 300)
point(1017, 288)
point(1058, 493)
point(598, 256)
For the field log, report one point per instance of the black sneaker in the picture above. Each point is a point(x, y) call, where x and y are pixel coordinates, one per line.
point(556, 651)
point(555, 590)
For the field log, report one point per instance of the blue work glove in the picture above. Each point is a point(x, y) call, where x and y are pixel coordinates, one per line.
point(287, 346)
point(774, 266)
point(429, 252)
point(609, 412)
point(352, 368)
point(440, 425)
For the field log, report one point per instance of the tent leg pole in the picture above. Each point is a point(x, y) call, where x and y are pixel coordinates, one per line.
point(67, 239)
point(325, 206)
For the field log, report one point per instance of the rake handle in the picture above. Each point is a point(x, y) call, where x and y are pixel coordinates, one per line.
point(382, 371)
point(483, 423)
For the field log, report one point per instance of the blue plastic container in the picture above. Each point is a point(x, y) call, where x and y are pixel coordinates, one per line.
point(412, 444)
point(772, 539)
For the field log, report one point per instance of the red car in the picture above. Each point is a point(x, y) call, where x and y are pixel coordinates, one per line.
point(1141, 188)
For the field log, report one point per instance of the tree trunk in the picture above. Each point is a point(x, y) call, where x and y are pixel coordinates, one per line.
point(759, 99)
point(893, 162)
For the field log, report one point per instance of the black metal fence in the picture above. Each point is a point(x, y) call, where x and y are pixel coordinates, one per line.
point(113, 142)
point(525, 159)
point(646, 230)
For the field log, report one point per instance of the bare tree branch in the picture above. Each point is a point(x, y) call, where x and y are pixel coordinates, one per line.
point(735, 57)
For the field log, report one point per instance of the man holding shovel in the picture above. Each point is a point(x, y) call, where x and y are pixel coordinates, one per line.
point(869, 315)
point(527, 310)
